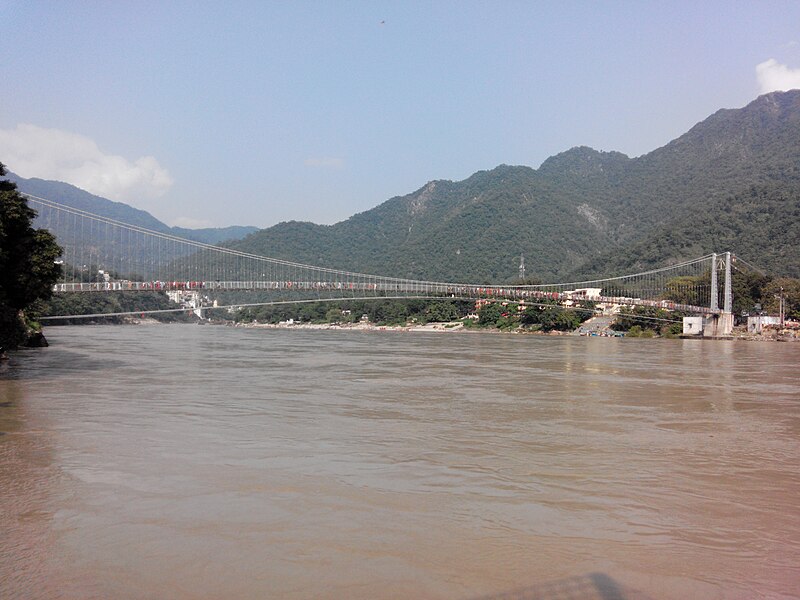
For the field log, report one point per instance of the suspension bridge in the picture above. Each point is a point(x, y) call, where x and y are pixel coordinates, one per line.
point(105, 255)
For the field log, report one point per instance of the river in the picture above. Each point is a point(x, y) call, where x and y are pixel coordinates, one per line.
point(194, 462)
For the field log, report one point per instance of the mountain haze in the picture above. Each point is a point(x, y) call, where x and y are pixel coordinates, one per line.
point(75, 197)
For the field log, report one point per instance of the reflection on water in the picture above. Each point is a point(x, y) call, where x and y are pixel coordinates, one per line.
point(207, 462)
point(594, 586)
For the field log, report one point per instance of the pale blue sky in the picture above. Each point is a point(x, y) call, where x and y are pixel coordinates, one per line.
point(259, 112)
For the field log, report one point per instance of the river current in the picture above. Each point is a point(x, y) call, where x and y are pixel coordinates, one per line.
point(200, 462)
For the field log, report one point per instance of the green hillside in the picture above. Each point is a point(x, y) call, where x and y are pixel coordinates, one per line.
point(474, 229)
point(731, 182)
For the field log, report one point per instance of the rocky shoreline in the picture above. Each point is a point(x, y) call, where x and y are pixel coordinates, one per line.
point(453, 327)
point(458, 327)
point(36, 339)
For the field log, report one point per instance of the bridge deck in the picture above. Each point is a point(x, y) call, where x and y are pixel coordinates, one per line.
point(518, 293)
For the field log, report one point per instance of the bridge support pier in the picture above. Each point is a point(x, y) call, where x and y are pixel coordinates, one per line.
point(724, 324)
point(719, 325)
point(714, 326)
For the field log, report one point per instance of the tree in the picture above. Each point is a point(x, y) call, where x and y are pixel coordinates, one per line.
point(441, 312)
point(490, 315)
point(747, 289)
point(559, 319)
point(550, 316)
point(644, 317)
point(688, 289)
point(27, 264)
point(789, 287)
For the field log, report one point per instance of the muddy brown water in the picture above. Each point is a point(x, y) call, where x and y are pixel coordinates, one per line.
point(181, 461)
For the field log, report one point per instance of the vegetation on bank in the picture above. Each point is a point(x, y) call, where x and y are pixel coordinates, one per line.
point(28, 268)
point(379, 312)
point(100, 303)
point(759, 293)
point(499, 315)
point(646, 321)
point(544, 317)
point(753, 293)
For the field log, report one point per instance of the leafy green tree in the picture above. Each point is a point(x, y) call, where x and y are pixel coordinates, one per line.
point(391, 312)
point(440, 312)
point(747, 288)
point(688, 289)
point(645, 317)
point(559, 319)
point(638, 331)
point(530, 316)
point(333, 315)
point(85, 303)
point(555, 317)
point(790, 288)
point(490, 314)
point(27, 264)
point(672, 330)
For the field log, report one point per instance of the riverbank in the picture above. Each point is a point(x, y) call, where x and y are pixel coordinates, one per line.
point(451, 327)
point(459, 327)
point(17, 331)
point(443, 327)
point(430, 327)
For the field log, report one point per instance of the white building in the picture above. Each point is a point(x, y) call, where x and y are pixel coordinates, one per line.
point(584, 294)
point(692, 325)
point(757, 324)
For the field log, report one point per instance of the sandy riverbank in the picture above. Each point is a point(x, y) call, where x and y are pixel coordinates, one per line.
point(458, 327)
point(430, 327)
point(453, 327)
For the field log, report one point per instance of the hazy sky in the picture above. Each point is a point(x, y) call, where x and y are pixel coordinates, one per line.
point(258, 112)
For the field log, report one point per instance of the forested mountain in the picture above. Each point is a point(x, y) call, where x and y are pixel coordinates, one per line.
point(474, 229)
point(77, 198)
point(731, 182)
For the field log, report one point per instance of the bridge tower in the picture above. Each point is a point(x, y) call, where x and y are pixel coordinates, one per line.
point(714, 284)
point(727, 307)
point(522, 267)
point(720, 323)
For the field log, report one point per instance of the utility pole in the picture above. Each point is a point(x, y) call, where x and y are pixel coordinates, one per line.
point(522, 268)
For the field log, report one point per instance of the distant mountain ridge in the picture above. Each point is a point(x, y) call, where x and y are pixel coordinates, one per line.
point(75, 197)
point(731, 182)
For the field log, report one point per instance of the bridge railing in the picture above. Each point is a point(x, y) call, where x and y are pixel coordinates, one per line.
point(409, 287)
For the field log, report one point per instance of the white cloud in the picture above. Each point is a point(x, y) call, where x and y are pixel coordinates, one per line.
point(775, 77)
point(32, 151)
point(327, 162)
point(190, 223)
